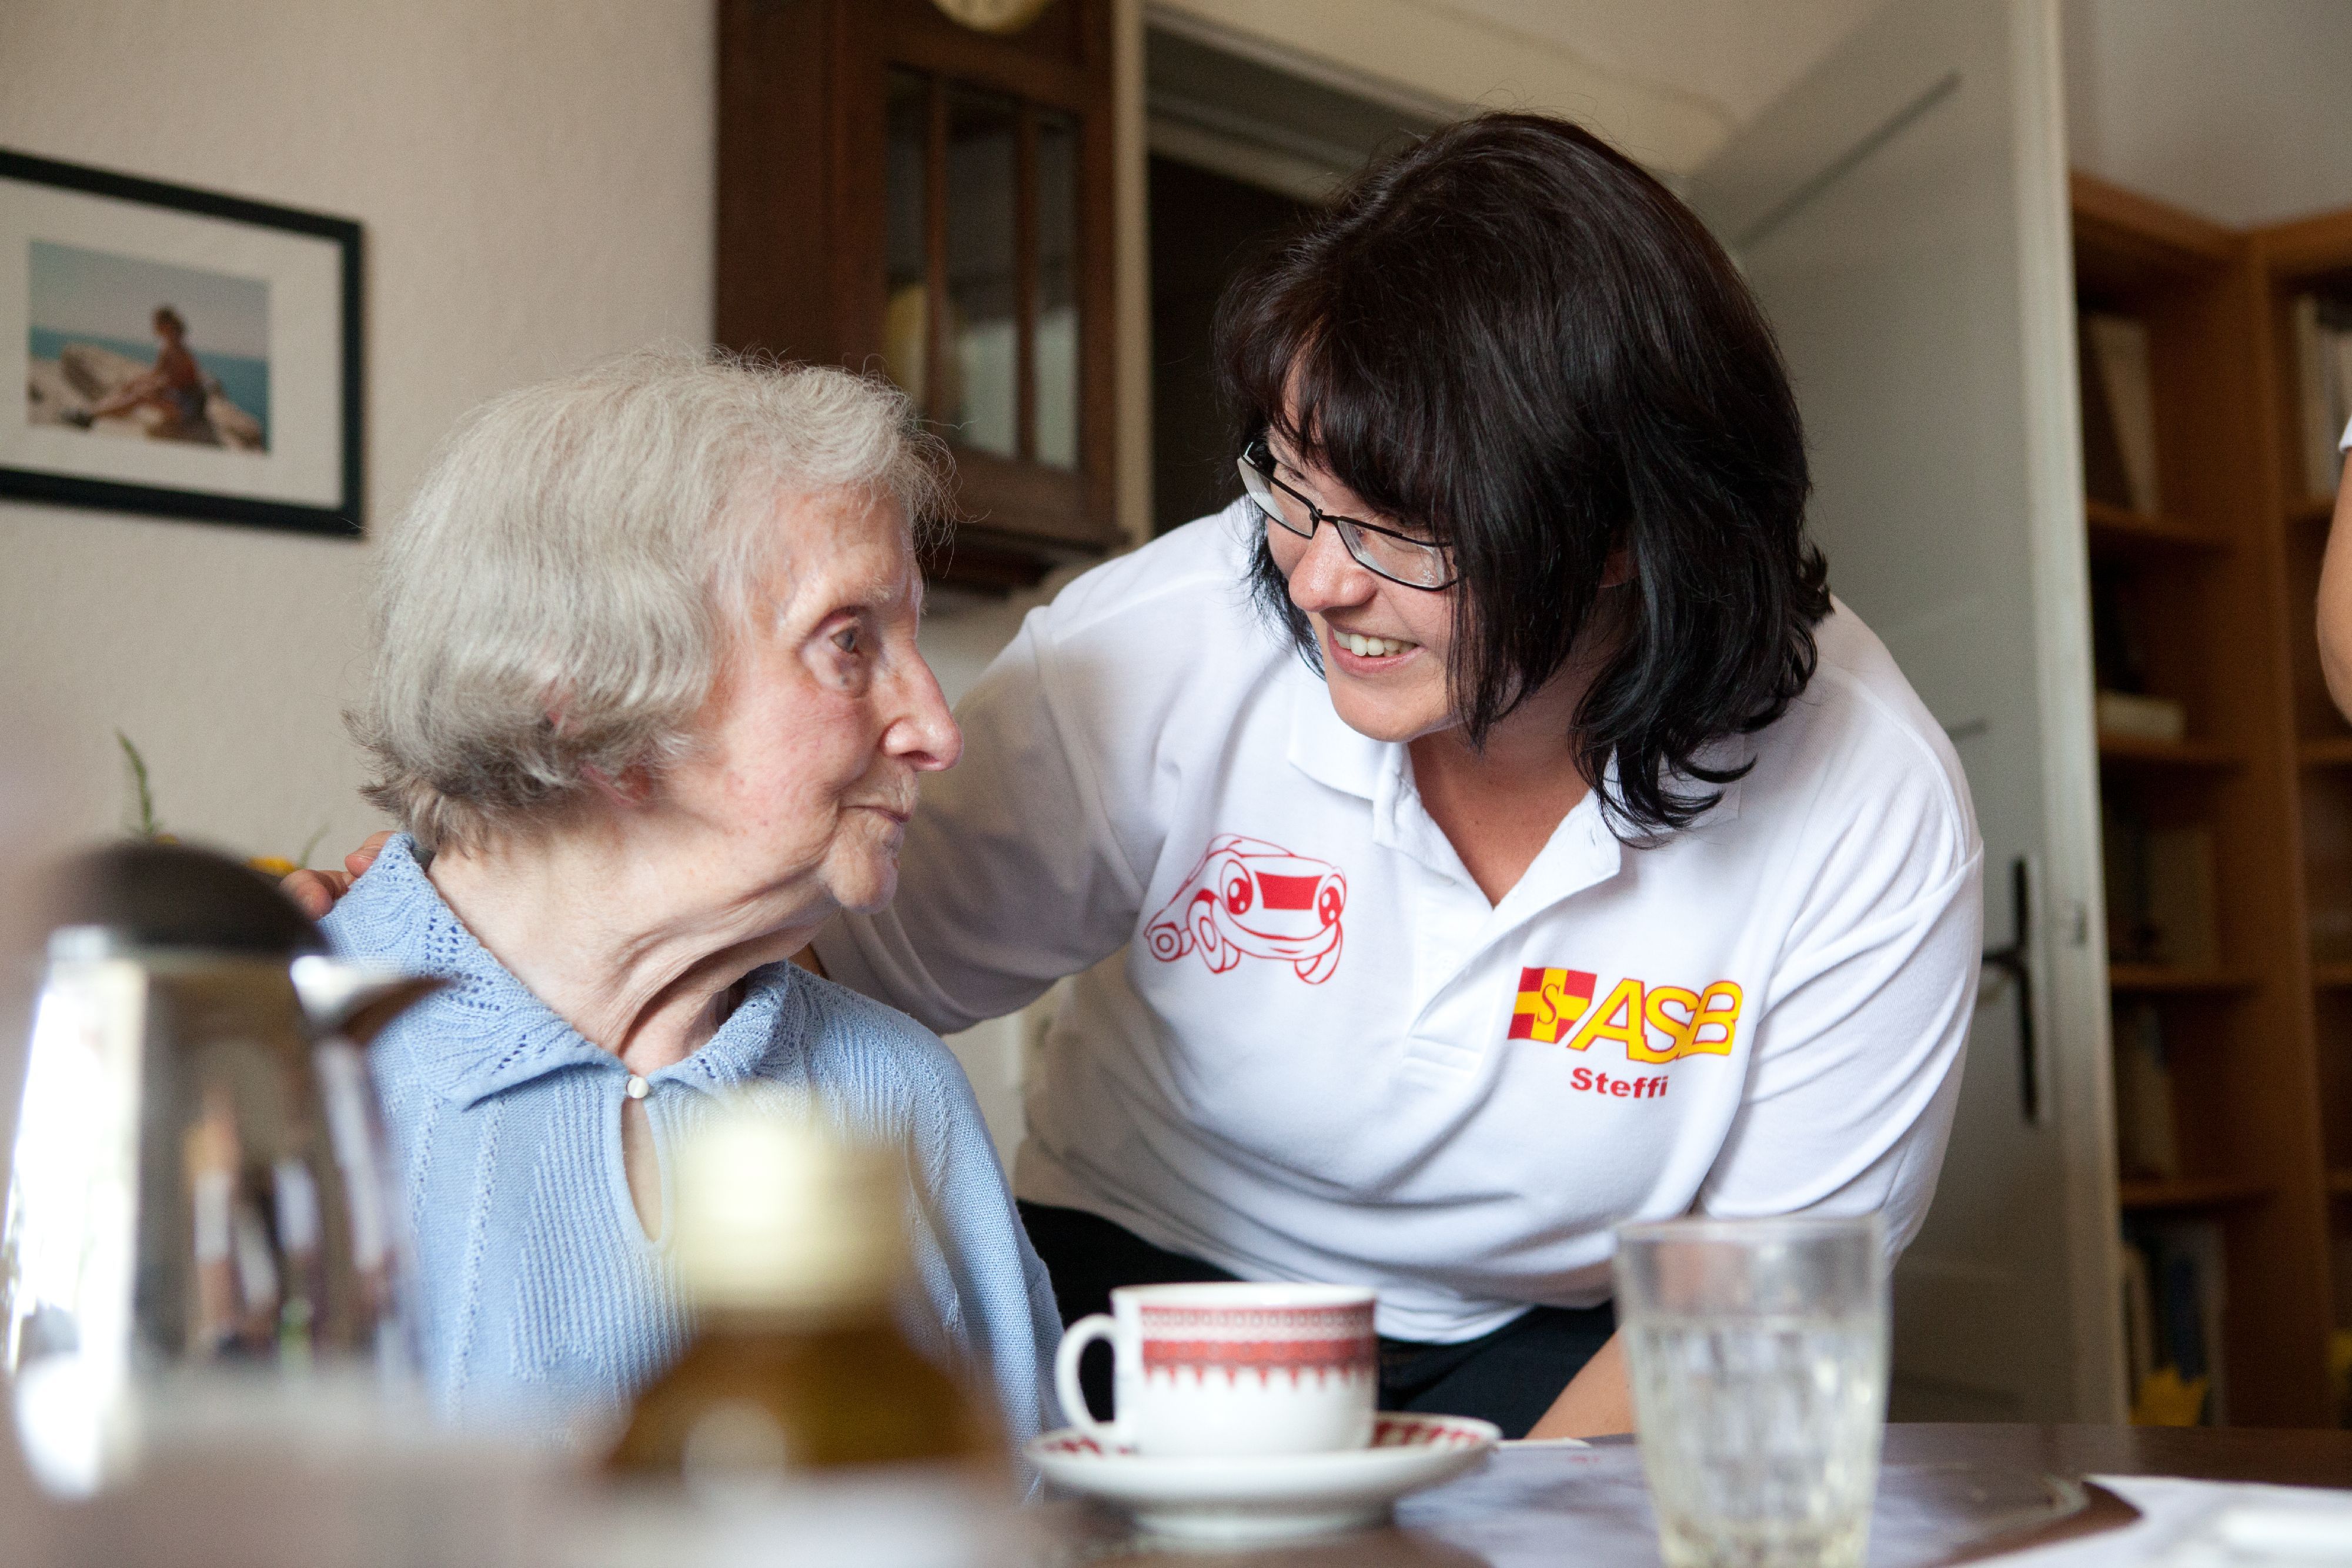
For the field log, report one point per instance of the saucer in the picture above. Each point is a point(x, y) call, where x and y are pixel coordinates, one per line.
point(1269, 1497)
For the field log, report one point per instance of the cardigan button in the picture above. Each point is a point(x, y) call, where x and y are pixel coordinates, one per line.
point(638, 1087)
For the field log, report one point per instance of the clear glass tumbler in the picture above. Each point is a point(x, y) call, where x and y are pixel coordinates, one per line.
point(1759, 1360)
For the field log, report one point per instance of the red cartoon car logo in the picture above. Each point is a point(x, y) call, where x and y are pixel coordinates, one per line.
point(1251, 899)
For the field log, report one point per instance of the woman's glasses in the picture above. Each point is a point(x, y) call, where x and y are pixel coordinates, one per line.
point(1400, 558)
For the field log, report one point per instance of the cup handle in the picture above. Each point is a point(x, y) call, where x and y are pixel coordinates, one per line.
point(1079, 1336)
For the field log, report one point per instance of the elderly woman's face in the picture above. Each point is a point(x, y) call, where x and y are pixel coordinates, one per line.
point(814, 737)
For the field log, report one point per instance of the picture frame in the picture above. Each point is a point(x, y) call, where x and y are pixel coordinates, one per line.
point(181, 352)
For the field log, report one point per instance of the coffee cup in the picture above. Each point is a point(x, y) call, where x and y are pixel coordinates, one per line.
point(1230, 1369)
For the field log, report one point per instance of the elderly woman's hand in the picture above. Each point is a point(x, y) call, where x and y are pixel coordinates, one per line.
point(315, 891)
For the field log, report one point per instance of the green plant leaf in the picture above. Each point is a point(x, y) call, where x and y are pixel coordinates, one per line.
point(143, 825)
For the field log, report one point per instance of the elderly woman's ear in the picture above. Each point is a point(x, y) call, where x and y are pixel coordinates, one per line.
point(634, 785)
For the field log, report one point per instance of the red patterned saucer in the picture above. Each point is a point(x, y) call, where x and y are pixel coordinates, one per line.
point(1269, 1497)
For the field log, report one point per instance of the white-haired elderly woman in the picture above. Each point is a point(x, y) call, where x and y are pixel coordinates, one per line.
point(647, 705)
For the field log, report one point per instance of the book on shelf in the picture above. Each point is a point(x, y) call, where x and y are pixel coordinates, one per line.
point(2147, 1144)
point(2327, 919)
point(2118, 394)
point(2139, 1320)
point(2340, 1344)
point(2182, 874)
point(2180, 1262)
point(2322, 355)
point(2160, 886)
point(2123, 862)
point(2118, 629)
point(2139, 717)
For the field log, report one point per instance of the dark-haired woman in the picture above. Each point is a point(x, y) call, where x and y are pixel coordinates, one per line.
point(1542, 850)
point(1486, 831)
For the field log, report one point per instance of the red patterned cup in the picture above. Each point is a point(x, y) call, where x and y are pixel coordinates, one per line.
point(1230, 1369)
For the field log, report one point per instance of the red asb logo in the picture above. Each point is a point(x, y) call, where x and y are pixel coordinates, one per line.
point(1251, 899)
point(1655, 1024)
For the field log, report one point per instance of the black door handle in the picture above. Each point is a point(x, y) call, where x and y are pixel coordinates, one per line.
point(2010, 961)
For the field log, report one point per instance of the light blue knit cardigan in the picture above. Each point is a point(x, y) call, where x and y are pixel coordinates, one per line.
point(541, 1300)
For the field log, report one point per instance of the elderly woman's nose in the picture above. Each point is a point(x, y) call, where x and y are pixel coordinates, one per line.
point(926, 732)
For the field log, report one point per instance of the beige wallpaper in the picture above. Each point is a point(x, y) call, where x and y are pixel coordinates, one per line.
point(535, 183)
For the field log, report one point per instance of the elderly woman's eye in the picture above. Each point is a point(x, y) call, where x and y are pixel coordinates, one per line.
point(847, 640)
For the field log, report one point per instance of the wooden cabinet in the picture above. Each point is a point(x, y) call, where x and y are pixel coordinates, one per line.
point(898, 192)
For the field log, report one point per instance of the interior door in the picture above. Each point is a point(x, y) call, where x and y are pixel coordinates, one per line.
point(1902, 214)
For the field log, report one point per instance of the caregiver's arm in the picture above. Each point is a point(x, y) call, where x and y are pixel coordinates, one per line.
point(1858, 1049)
point(1857, 1067)
point(1597, 1401)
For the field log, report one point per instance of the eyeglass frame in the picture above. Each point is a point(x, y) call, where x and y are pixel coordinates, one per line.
point(1316, 516)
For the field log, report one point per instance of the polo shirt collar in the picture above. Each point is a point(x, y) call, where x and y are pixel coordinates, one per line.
point(1325, 750)
point(1582, 851)
point(486, 1033)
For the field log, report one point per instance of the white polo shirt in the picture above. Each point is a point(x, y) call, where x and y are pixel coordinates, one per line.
point(1305, 1046)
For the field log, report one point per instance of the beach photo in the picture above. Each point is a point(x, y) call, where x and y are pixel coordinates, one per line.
point(119, 345)
point(183, 353)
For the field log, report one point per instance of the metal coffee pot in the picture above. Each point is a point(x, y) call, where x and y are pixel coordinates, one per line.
point(204, 1219)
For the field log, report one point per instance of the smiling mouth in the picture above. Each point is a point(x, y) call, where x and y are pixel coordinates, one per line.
point(1365, 647)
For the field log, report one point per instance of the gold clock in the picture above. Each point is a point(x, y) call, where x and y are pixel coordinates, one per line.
point(992, 15)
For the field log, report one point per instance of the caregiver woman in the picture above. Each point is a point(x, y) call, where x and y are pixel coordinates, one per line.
point(1542, 850)
point(1487, 832)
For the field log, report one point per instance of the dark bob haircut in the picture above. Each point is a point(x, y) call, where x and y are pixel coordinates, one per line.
point(1511, 335)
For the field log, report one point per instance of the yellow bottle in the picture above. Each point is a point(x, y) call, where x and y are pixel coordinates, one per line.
point(791, 1245)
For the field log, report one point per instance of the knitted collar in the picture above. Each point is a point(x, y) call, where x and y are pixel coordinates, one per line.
point(486, 1033)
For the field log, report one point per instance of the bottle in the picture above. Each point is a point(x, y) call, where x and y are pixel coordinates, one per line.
point(791, 1245)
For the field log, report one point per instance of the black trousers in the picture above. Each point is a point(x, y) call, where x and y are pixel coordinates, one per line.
point(1509, 1376)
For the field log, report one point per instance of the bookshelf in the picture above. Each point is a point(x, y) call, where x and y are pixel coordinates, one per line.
point(2311, 256)
point(2228, 1014)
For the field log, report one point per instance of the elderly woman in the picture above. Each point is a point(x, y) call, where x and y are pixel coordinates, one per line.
point(648, 707)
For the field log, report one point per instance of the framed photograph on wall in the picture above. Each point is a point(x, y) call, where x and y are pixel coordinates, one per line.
point(181, 352)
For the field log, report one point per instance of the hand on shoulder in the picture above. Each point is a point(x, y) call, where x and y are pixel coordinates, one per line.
point(315, 891)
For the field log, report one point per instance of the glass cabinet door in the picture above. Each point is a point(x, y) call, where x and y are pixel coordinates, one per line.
point(982, 205)
point(1054, 335)
point(906, 190)
point(905, 275)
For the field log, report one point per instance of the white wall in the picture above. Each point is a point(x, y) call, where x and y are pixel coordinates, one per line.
point(535, 183)
point(1666, 80)
point(2242, 111)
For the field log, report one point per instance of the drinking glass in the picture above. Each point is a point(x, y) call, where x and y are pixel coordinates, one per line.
point(1759, 1359)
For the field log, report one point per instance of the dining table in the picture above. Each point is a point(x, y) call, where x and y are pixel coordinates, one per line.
point(1947, 1494)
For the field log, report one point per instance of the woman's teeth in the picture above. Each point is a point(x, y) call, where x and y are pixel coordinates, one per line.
point(1370, 647)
